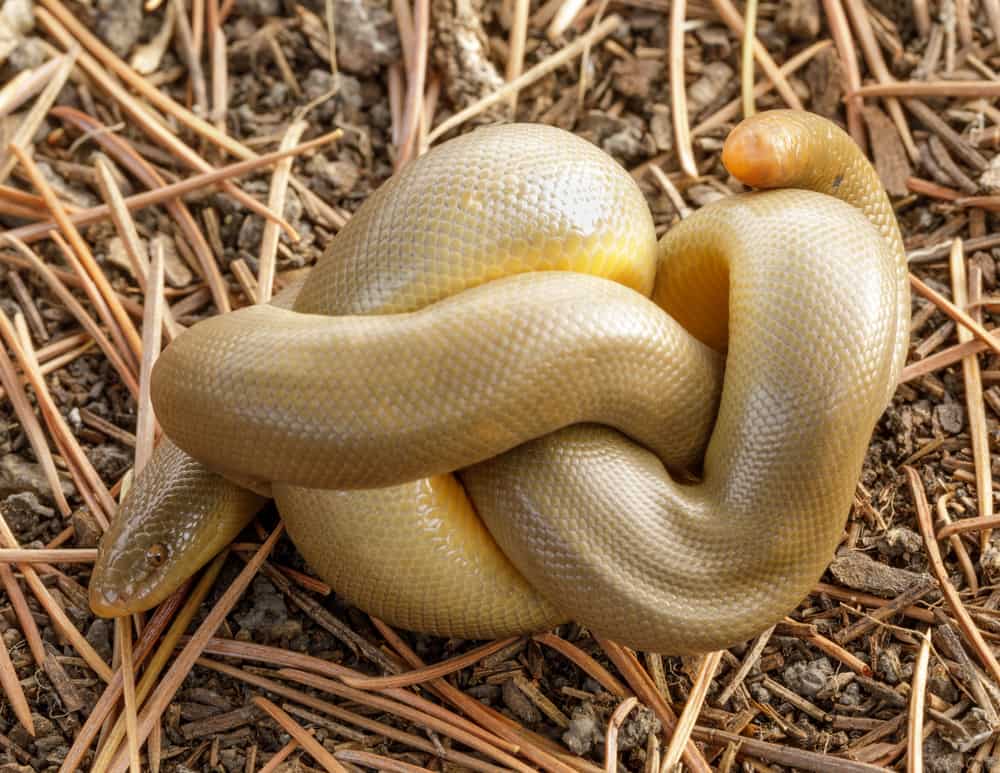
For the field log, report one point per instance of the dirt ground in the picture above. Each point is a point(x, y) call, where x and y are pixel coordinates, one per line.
point(832, 688)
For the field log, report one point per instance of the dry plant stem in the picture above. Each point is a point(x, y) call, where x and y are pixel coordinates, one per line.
point(88, 482)
point(590, 666)
point(416, 76)
point(331, 37)
point(193, 184)
point(834, 650)
point(48, 555)
point(930, 118)
point(32, 429)
point(895, 606)
point(30, 123)
point(153, 127)
point(964, 560)
point(29, 628)
point(922, 17)
point(82, 251)
point(873, 55)
point(840, 31)
point(26, 84)
point(28, 306)
point(493, 721)
point(918, 693)
point(188, 47)
point(683, 210)
point(436, 671)
point(220, 78)
point(866, 599)
point(59, 619)
point(567, 11)
point(970, 632)
point(280, 756)
point(748, 662)
point(973, 379)
point(678, 92)
point(124, 630)
point(518, 37)
point(394, 85)
point(378, 762)
point(296, 731)
point(13, 691)
point(123, 152)
point(427, 114)
point(404, 23)
point(964, 22)
point(614, 725)
point(77, 310)
point(171, 682)
point(245, 278)
point(942, 359)
point(401, 710)
point(959, 316)
point(93, 294)
point(56, 363)
point(540, 70)
point(993, 13)
point(646, 691)
point(125, 226)
point(789, 756)
point(150, 634)
point(685, 724)
point(276, 202)
point(152, 328)
point(344, 715)
point(732, 19)
point(944, 89)
point(278, 657)
point(583, 79)
point(967, 525)
point(746, 58)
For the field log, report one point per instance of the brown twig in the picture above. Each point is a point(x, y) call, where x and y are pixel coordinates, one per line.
point(152, 326)
point(915, 724)
point(162, 195)
point(416, 77)
point(614, 725)
point(970, 632)
point(953, 311)
point(540, 70)
point(76, 309)
point(276, 202)
point(436, 671)
point(305, 740)
point(645, 689)
point(840, 31)
point(678, 92)
point(81, 250)
point(692, 708)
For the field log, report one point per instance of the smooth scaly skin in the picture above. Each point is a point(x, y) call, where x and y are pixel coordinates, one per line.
point(817, 306)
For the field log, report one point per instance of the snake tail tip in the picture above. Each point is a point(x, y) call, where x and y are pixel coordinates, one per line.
point(754, 155)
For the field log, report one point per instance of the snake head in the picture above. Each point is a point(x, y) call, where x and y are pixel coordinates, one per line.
point(173, 521)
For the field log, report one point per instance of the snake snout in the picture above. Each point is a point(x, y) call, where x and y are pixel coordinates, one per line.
point(108, 600)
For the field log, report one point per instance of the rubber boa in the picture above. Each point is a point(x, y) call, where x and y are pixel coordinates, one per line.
point(498, 403)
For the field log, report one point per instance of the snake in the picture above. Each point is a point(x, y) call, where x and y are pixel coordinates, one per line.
point(499, 402)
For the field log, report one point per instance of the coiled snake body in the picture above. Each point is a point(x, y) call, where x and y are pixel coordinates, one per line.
point(502, 309)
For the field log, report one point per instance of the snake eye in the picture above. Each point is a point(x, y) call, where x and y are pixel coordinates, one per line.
point(156, 555)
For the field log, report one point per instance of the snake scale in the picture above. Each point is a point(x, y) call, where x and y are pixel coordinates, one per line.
point(499, 403)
